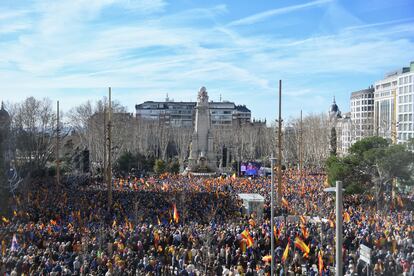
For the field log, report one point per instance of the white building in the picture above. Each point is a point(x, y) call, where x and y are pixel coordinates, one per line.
point(345, 133)
point(384, 95)
point(405, 105)
point(394, 105)
point(362, 113)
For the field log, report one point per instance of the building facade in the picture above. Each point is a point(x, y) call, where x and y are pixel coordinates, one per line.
point(362, 113)
point(394, 105)
point(384, 105)
point(182, 114)
point(345, 133)
point(405, 105)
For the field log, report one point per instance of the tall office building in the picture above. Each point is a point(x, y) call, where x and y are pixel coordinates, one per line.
point(405, 104)
point(384, 105)
point(362, 113)
point(394, 105)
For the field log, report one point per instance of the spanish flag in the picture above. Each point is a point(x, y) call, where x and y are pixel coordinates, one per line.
point(285, 202)
point(347, 217)
point(285, 253)
point(114, 223)
point(275, 232)
point(234, 176)
point(302, 246)
point(303, 219)
point(305, 232)
point(5, 220)
point(249, 240)
point(331, 223)
point(320, 261)
point(158, 220)
point(176, 216)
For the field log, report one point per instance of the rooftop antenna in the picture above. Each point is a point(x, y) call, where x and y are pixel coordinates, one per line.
point(220, 97)
point(167, 99)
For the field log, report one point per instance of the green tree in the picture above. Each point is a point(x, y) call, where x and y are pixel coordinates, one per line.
point(159, 166)
point(373, 163)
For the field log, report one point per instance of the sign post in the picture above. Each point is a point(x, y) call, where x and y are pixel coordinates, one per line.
point(365, 255)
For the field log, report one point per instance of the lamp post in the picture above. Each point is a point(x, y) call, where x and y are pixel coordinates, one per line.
point(339, 238)
point(272, 215)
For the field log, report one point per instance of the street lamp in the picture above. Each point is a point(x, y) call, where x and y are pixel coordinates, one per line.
point(272, 192)
point(339, 238)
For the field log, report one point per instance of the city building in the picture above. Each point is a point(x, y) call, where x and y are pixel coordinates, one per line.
point(182, 114)
point(384, 105)
point(362, 113)
point(345, 133)
point(394, 105)
point(343, 124)
point(405, 105)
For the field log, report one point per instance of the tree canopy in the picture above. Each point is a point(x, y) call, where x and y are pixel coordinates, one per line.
point(372, 163)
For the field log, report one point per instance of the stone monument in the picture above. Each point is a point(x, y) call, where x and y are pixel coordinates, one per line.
point(202, 158)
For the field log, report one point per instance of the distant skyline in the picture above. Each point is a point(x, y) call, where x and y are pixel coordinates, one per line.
point(73, 50)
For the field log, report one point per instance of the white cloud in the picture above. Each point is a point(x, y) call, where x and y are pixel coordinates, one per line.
point(70, 47)
point(270, 13)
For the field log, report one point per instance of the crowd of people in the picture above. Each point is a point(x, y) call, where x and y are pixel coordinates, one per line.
point(176, 225)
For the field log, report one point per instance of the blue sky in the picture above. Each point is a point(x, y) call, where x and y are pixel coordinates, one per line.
point(73, 50)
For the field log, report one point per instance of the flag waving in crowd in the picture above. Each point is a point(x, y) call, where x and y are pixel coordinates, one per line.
point(249, 240)
point(176, 216)
point(300, 244)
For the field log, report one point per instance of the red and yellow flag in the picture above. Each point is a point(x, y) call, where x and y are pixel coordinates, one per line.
point(305, 232)
point(320, 261)
point(303, 219)
point(176, 216)
point(347, 217)
point(5, 220)
point(285, 202)
point(302, 246)
point(285, 253)
point(249, 240)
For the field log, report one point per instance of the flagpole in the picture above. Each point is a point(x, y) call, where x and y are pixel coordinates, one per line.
point(279, 157)
point(57, 146)
point(272, 192)
point(109, 153)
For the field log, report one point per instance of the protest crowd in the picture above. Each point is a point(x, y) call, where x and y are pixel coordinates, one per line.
point(179, 225)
